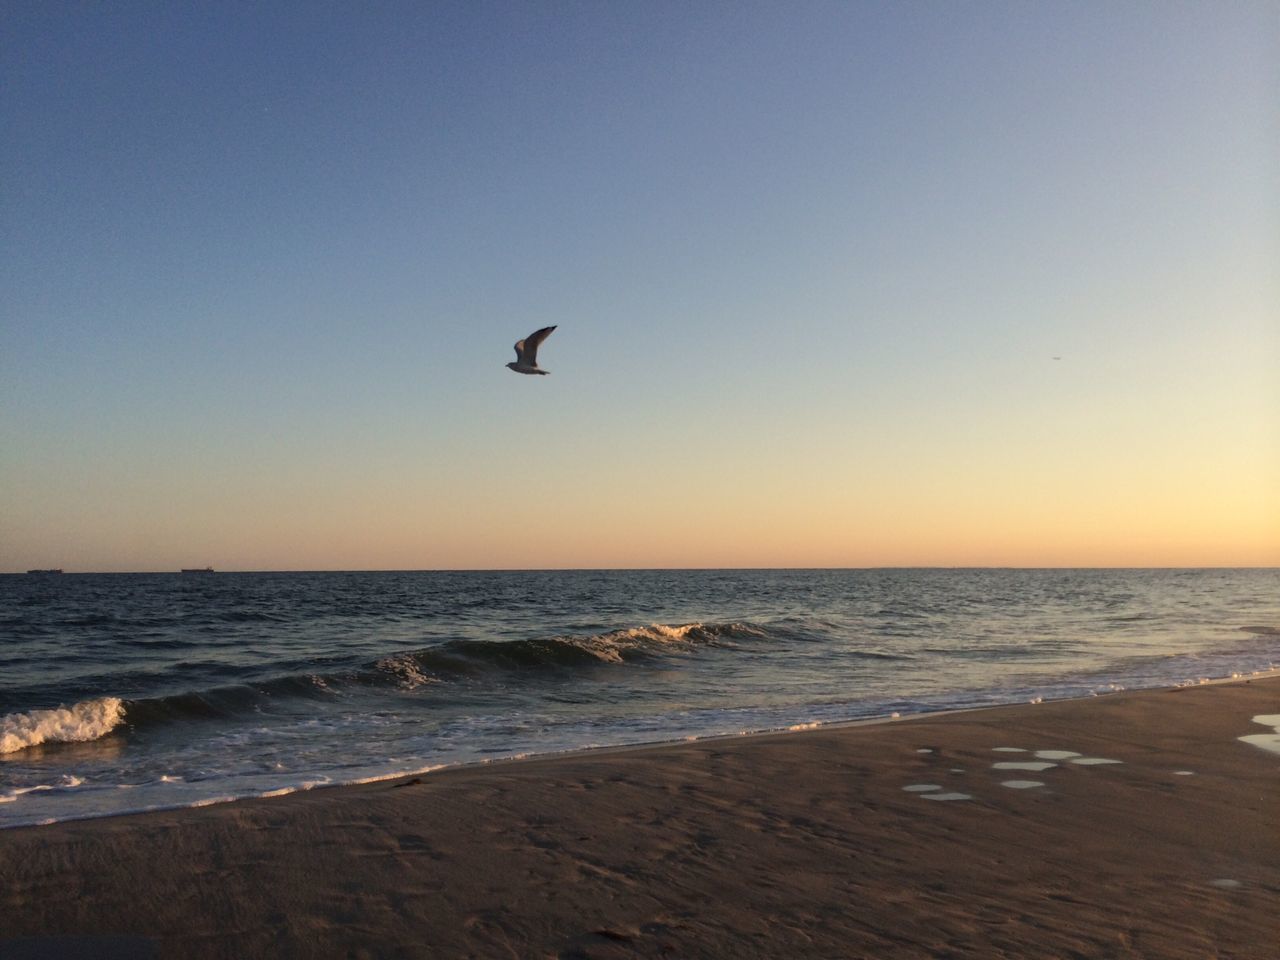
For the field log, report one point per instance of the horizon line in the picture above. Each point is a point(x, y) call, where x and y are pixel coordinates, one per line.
point(54, 571)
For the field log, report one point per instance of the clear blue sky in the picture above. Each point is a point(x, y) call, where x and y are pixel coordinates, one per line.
point(262, 266)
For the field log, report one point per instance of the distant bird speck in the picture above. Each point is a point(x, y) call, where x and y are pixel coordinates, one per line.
point(527, 352)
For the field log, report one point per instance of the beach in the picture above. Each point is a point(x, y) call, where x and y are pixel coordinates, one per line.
point(805, 843)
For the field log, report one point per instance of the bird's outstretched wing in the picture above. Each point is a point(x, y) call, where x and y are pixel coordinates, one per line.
point(527, 349)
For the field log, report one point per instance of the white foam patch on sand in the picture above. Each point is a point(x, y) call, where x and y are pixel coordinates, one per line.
point(1033, 765)
point(1226, 883)
point(1021, 784)
point(946, 796)
point(925, 750)
point(1008, 750)
point(1184, 773)
point(1093, 761)
point(922, 787)
point(88, 720)
point(1265, 741)
point(1056, 754)
point(380, 777)
point(210, 801)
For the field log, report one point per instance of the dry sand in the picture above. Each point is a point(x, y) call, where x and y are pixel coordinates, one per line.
point(792, 845)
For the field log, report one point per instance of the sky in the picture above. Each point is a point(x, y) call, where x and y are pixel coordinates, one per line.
point(836, 284)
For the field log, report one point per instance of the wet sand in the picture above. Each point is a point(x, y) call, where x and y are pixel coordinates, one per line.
point(804, 844)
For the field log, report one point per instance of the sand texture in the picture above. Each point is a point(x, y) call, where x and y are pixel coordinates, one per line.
point(803, 844)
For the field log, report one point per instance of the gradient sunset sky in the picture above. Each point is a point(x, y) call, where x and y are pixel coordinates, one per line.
point(837, 284)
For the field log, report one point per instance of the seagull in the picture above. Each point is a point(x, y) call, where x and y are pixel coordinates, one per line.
point(527, 352)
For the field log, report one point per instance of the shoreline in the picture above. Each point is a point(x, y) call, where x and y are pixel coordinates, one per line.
point(778, 843)
point(800, 727)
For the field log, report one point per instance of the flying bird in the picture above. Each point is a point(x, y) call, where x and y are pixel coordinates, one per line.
point(527, 352)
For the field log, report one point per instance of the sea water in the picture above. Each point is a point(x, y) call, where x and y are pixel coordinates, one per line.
point(128, 692)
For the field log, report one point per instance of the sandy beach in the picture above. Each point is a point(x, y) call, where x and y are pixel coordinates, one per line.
point(801, 844)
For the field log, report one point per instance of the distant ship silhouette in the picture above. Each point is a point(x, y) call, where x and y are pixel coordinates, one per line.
point(197, 569)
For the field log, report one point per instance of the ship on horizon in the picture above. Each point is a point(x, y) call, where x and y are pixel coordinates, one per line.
point(197, 570)
point(46, 570)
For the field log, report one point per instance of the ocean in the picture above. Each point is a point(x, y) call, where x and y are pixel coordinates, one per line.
point(129, 692)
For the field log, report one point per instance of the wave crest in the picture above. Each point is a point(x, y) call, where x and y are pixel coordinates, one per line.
point(616, 646)
point(87, 720)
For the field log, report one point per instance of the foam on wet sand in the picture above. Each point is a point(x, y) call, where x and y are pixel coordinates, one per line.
point(1266, 741)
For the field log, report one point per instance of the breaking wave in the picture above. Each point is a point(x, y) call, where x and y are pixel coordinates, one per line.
point(451, 662)
point(88, 720)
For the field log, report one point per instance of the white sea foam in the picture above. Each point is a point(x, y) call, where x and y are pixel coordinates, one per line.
point(612, 647)
point(407, 672)
point(68, 782)
point(87, 720)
